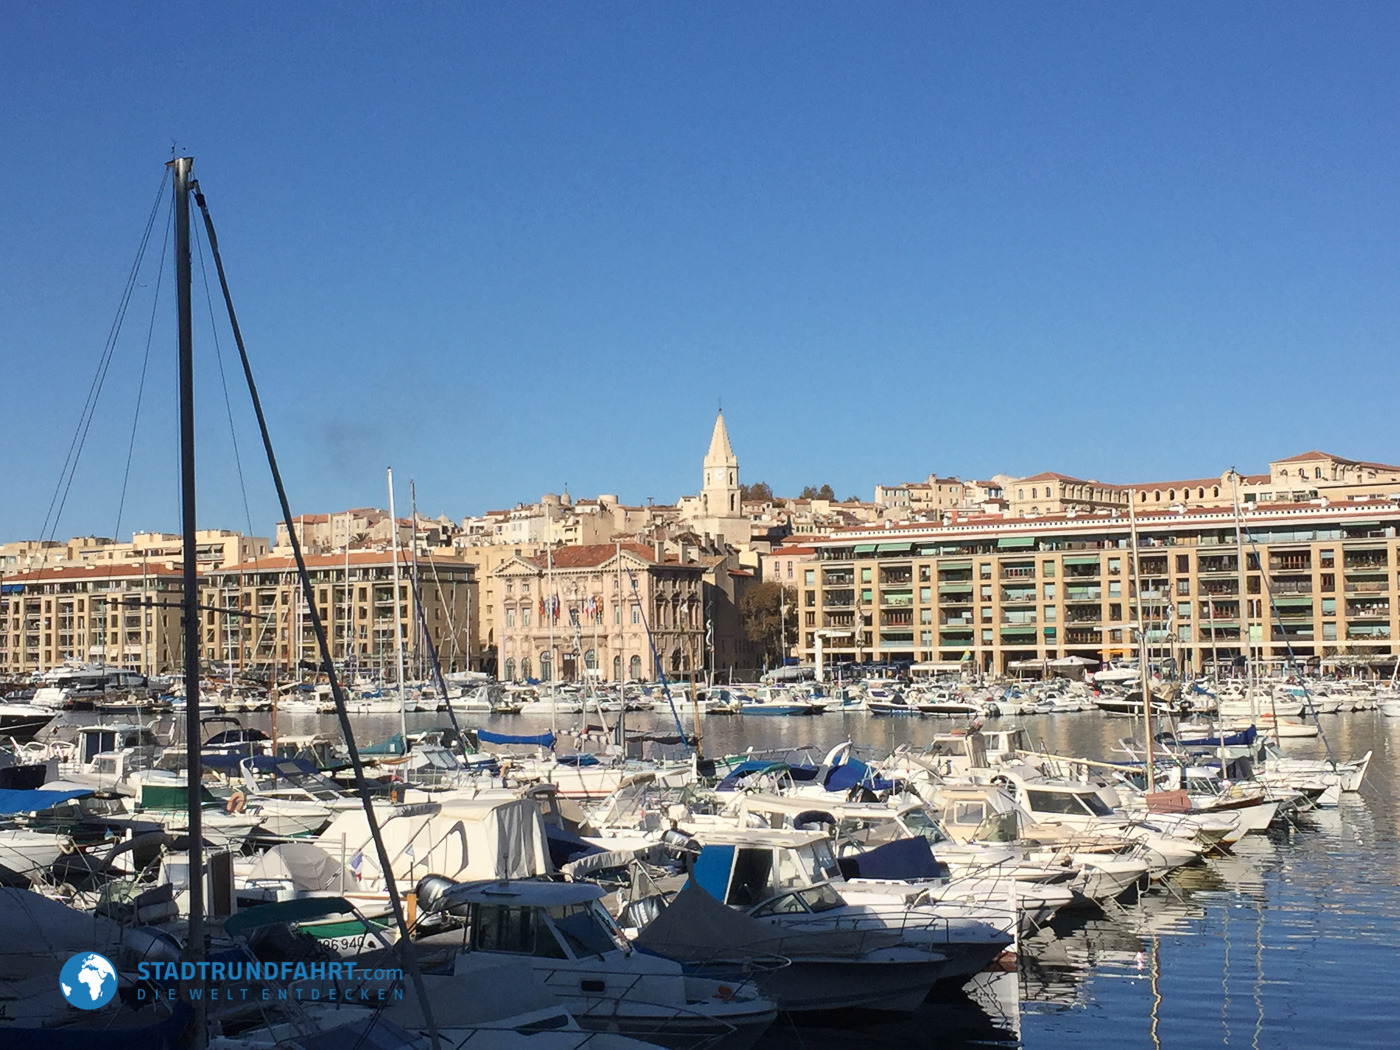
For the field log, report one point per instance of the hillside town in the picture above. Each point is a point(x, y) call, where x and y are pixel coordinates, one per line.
point(998, 574)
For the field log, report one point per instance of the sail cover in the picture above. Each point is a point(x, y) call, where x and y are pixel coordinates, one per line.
point(543, 739)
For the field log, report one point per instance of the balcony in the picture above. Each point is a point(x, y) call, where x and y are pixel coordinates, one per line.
point(954, 637)
point(1083, 594)
point(955, 599)
point(1292, 562)
point(1365, 560)
point(1366, 587)
point(839, 600)
point(1079, 636)
point(1368, 631)
point(1376, 611)
point(1081, 572)
point(1208, 566)
point(964, 619)
point(1083, 616)
point(1219, 587)
point(1019, 618)
point(1017, 596)
point(896, 599)
point(896, 619)
point(964, 576)
point(1018, 572)
point(1291, 586)
point(896, 576)
point(838, 579)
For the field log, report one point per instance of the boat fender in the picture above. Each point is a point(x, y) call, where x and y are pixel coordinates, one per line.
point(236, 802)
point(724, 993)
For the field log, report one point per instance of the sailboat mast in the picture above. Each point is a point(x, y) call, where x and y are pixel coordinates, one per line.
point(194, 945)
point(398, 625)
point(1142, 654)
point(1246, 630)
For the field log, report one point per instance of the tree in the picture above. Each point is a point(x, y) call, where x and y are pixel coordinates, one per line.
point(759, 490)
point(825, 492)
point(762, 610)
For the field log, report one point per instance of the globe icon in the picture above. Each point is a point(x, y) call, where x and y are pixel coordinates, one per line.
point(88, 981)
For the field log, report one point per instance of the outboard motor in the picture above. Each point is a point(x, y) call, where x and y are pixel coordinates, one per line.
point(678, 842)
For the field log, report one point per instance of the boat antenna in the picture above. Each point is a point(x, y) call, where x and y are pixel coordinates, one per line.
point(407, 951)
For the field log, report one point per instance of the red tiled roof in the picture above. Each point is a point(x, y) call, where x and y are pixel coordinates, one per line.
point(1050, 475)
point(285, 563)
point(100, 571)
point(1314, 454)
point(789, 552)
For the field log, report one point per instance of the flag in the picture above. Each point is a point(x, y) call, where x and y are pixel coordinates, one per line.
point(967, 655)
point(356, 862)
point(408, 851)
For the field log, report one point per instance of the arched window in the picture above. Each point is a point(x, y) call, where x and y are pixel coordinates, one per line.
point(1171, 495)
point(617, 668)
point(1215, 491)
point(525, 668)
point(1033, 493)
point(590, 660)
point(1142, 497)
point(1020, 493)
point(546, 666)
point(676, 665)
point(510, 670)
point(1317, 472)
point(634, 669)
point(1157, 496)
point(1201, 493)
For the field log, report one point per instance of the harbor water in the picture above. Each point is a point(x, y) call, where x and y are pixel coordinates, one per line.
point(1291, 941)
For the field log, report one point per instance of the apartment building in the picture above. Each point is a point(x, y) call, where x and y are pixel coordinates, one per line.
point(587, 609)
point(120, 613)
point(268, 623)
point(1318, 582)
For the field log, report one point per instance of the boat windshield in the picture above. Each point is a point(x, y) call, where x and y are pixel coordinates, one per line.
point(921, 822)
point(581, 930)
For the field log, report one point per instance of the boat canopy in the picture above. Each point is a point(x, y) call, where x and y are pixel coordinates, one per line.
point(13, 801)
point(280, 913)
point(522, 893)
point(542, 739)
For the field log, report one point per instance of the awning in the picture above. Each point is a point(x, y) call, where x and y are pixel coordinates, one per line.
point(1015, 542)
point(894, 548)
point(1082, 559)
point(1294, 601)
point(865, 548)
point(954, 588)
point(947, 566)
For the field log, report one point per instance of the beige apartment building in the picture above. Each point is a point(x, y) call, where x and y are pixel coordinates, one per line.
point(587, 609)
point(355, 599)
point(1319, 583)
point(120, 613)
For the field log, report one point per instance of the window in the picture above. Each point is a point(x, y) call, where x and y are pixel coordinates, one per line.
point(987, 635)
point(926, 616)
point(1329, 606)
point(811, 598)
point(984, 570)
point(510, 617)
point(1115, 566)
point(1329, 632)
point(1183, 586)
point(1327, 559)
point(636, 614)
point(1047, 569)
point(1050, 613)
point(1183, 632)
point(590, 660)
point(510, 669)
point(1115, 588)
point(522, 931)
point(634, 668)
point(1049, 592)
point(926, 638)
point(1183, 610)
point(1328, 582)
point(524, 616)
point(1183, 563)
point(986, 592)
point(925, 594)
point(526, 671)
point(546, 666)
point(809, 577)
point(1115, 613)
point(617, 668)
point(923, 574)
point(617, 614)
point(865, 575)
point(789, 567)
point(986, 614)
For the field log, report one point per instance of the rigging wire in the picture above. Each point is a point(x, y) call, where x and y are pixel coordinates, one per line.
point(145, 361)
point(66, 474)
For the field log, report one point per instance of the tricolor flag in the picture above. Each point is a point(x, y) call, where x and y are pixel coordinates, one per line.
point(356, 862)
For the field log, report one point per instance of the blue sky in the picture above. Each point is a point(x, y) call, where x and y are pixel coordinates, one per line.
point(510, 247)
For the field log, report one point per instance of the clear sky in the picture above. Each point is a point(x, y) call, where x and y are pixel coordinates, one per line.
point(512, 246)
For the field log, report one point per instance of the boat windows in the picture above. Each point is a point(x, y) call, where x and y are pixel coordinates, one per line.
point(787, 904)
point(822, 898)
point(518, 930)
point(920, 822)
point(1054, 802)
point(751, 878)
point(582, 932)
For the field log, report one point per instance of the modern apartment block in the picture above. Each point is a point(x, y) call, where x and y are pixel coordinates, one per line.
point(269, 624)
point(1318, 583)
point(120, 613)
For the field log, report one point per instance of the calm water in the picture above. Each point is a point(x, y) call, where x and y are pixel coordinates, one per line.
point(1291, 942)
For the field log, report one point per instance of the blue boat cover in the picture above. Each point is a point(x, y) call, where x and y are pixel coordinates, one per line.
point(711, 870)
point(901, 859)
point(543, 739)
point(748, 768)
point(12, 801)
point(583, 758)
point(565, 846)
point(854, 773)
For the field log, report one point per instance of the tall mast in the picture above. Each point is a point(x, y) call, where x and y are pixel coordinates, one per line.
point(1142, 652)
point(1247, 643)
point(549, 615)
point(413, 555)
point(194, 945)
point(398, 624)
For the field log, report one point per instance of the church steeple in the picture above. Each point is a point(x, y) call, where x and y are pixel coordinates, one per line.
point(720, 493)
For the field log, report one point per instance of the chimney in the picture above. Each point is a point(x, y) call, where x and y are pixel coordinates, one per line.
point(659, 546)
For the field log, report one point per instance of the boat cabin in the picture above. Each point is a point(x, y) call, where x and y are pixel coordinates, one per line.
point(744, 867)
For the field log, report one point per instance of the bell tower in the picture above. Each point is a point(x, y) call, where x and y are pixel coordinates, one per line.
point(719, 495)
